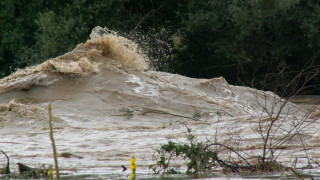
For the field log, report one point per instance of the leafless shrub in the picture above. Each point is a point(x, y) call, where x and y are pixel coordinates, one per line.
point(282, 122)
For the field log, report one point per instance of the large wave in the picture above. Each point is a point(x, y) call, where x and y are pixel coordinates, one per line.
point(104, 47)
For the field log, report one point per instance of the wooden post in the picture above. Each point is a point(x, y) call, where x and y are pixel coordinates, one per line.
point(53, 142)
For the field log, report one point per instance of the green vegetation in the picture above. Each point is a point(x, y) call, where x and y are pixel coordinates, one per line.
point(26, 172)
point(127, 112)
point(6, 169)
point(197, 114)
point(240, 40)
point(278, 127)
point(203, 158)
point(199, 156)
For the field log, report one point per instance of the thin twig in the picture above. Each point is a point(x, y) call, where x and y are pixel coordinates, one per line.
point(230, 148)
point(143, 18)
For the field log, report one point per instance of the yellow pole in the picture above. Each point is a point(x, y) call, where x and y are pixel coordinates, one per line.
point(133, 167)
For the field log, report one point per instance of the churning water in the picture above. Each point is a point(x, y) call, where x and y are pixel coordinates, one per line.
point(108, 107)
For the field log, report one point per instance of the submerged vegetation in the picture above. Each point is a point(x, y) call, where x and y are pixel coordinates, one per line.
point(202, 158)
point(6, 168)
point(25, 172)
point(279, 124)
point(127, 112)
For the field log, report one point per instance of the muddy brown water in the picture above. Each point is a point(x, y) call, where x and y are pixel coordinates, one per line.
point(91, 93)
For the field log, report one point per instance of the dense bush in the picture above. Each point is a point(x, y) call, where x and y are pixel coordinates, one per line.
point(200, 157)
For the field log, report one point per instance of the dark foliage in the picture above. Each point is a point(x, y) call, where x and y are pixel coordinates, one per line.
point(200, 158)
point(241, 40)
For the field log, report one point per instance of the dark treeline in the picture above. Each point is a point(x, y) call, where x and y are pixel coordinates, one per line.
point(246, 41)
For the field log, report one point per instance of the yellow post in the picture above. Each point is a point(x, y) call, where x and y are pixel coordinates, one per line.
point(50, 172)
point(133, 167)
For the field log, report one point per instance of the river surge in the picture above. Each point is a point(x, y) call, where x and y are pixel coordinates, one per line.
point(108, 106)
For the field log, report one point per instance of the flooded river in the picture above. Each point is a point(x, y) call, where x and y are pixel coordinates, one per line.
point(108, 106)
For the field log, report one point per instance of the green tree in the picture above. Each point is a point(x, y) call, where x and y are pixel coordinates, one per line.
point(16, 27)
point(238, 39)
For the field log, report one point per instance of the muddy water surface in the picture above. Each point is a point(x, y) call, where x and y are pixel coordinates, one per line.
point(105, 114)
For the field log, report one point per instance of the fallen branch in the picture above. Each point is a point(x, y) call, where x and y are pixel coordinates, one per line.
point(144, 112)
point(231, 149)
